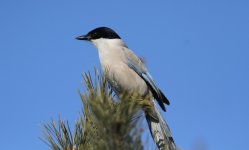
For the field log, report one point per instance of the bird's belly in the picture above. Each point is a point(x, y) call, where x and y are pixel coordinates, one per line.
point(122, 79)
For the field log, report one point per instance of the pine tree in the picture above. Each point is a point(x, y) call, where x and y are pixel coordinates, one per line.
point(108, 122)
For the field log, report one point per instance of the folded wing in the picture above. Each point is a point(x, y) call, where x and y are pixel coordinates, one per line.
point(157, 93)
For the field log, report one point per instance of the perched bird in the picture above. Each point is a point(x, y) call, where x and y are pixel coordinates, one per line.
point(127, 72)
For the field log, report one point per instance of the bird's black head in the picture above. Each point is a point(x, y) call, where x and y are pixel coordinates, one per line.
point(101, 32)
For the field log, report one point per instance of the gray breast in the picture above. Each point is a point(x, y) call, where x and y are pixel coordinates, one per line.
point(124, 79)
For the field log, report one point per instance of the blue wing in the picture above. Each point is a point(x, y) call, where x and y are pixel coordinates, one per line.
point(157, 93)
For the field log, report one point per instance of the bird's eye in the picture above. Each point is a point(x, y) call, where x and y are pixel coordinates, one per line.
point(94, 34)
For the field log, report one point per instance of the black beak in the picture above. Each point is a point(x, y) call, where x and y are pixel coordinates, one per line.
point(83, 37)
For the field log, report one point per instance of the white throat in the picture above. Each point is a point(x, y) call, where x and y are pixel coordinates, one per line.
point(110, 50)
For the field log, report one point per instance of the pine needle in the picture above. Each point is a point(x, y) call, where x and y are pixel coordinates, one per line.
point(107, 122)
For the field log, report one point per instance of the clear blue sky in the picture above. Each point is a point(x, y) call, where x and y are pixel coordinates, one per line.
point(197, 51)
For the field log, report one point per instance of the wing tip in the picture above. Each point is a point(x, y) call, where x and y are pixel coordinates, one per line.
point(161, 105)
point(164, 98)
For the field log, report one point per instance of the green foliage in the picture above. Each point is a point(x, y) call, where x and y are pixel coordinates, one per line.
point(108, 122)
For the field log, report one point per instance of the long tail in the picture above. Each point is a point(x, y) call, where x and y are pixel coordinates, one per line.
point(160, 131)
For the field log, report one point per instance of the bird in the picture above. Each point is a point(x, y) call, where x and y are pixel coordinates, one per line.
point(126, 73)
